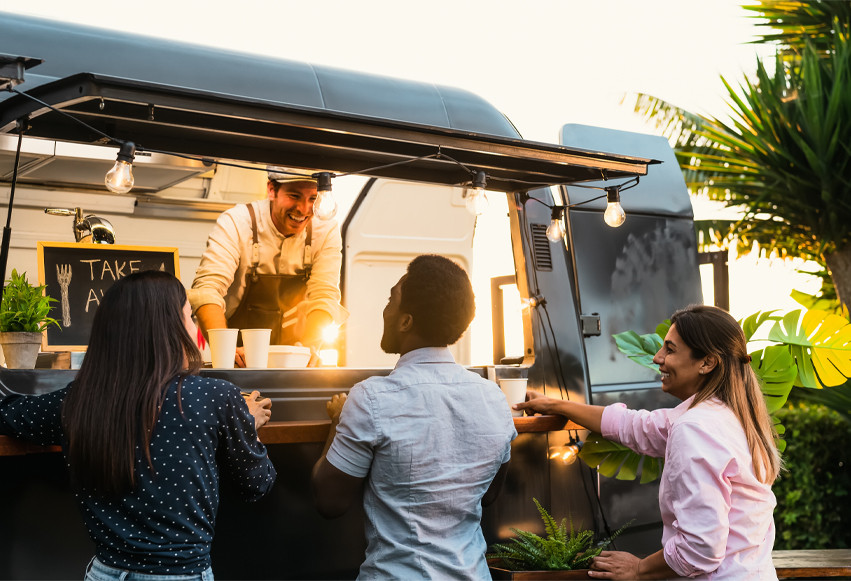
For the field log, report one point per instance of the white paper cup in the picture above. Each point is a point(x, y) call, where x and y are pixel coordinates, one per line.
point(222, 347)
point(256, 344)
point(515, 392)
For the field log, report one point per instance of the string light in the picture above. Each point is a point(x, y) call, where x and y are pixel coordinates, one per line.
point(477, 200)
point(556, 230)
point(614, 215)
point(119, 179)
point(567, 454)
point(325, 206)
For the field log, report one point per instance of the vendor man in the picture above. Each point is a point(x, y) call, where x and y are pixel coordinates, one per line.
point(272, 264)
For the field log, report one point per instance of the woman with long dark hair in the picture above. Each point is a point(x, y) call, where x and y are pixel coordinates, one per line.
point(720, 455)
point(145, 438)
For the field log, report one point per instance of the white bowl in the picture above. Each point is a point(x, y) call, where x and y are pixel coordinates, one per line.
point(288, 356)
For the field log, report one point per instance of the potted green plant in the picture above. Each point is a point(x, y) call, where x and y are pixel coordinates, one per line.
point(24, 314)
point(562, 554)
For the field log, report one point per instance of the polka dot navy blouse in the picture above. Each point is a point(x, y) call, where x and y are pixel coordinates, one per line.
point(166, 525)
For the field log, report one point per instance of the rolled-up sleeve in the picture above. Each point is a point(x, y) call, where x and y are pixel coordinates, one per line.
point(700, 499)
point(323, 286)
point(640, 430)
point(219, 263)
point(357, 435)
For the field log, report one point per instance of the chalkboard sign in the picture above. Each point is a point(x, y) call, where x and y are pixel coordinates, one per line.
point(77, 276)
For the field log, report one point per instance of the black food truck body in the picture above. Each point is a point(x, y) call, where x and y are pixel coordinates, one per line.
point(418, 147)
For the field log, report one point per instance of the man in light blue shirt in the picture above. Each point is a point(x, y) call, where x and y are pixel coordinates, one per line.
point(427, 446)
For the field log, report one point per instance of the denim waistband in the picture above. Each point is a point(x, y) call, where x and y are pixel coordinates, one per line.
point(97, 571)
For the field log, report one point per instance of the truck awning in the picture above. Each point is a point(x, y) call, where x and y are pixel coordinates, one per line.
point(217, 126)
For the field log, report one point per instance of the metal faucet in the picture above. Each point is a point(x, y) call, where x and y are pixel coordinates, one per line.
point(89, 228)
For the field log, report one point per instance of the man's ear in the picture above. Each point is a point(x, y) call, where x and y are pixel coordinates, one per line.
point(406, 323)
point(271, 189)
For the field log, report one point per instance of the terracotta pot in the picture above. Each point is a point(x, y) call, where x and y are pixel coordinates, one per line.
point(499, 574)
point(20, 349)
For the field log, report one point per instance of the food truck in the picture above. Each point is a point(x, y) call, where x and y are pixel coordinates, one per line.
point(206, 123)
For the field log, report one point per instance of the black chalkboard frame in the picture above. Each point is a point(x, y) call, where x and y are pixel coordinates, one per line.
point(94, 267)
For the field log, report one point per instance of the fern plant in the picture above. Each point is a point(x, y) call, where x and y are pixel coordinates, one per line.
point(560, 550)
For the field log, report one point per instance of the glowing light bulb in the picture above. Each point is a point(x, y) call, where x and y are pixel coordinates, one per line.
point(614, 215)
point(325, 206)
point(567, 454)
point(477, 200)
point(120, 178)
point(556, 231)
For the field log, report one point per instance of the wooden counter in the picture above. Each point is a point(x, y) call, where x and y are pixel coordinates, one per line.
point(301, 432)
point(812, 564)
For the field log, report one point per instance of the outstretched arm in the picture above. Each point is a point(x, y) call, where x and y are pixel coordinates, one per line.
point(587, 416)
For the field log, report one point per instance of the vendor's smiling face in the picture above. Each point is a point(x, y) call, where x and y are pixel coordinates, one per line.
point(292, 205)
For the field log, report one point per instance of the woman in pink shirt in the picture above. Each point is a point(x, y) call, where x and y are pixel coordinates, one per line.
point(720, 455)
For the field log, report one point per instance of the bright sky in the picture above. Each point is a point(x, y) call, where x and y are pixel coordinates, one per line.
point(543, 63)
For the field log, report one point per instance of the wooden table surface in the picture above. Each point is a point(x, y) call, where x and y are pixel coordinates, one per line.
point(812, 564)
point(301, 432)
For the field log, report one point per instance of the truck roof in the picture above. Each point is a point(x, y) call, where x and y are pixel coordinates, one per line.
point(168, 96)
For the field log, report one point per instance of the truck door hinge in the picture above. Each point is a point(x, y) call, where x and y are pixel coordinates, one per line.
point(590, 325)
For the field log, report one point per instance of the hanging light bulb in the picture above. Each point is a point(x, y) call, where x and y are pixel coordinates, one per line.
point(477, 200)
point(325, 206)
point(567, 454)
point(556, 231)
point(614, 215)
point(120, 178)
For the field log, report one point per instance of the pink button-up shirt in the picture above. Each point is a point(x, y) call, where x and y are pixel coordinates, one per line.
point(717, 516)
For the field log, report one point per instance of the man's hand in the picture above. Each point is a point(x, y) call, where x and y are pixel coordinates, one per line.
point(239, 357)
point(335, 406)
point(260, 408)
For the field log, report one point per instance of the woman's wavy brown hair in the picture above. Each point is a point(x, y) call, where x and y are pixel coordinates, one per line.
point(138, 345)
point(712, 331)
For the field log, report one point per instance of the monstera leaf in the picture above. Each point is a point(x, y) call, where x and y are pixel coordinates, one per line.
point(613, 459)
point(639, 348)
point(820, 342)
point(776, 368)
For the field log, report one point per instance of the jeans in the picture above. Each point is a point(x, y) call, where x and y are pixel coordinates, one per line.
point(97, 571)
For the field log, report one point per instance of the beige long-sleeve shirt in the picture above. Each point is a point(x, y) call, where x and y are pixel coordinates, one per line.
point(220, 278)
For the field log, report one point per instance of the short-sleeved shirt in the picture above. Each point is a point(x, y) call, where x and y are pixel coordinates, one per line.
point(717, 516)
point(165, 526)
point(429, 438)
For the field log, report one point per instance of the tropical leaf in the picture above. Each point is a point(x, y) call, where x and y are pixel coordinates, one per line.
point(751, 324)
point(616, 460)
point(639, 348)
point(820, 343)
point(777, 371)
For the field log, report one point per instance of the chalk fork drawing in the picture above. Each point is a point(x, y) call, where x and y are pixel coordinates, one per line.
point(63, 273)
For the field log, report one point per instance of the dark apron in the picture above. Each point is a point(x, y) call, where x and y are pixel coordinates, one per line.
point(271, 301)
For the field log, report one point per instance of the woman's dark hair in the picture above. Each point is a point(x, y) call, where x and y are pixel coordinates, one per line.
point(710, 331)
point(138, 345)
point(438, 295)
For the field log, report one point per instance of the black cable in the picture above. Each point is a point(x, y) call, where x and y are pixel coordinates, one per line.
point(68, 115)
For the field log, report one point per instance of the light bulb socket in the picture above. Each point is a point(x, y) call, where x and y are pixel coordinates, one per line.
point(323, 181)
point(556, 212)
point(613, 195)
point(480, 181)
point(127, 152)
